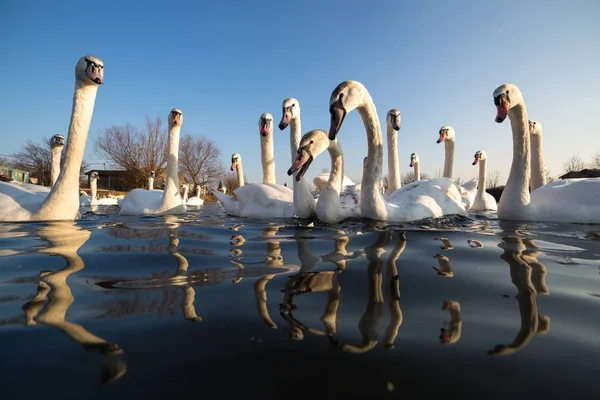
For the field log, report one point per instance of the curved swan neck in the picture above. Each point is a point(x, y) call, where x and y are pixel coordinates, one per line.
point(55, 168)
point(171, 192)
point(150, 183)
point(267, 158)
point(482, 177)
point(417, 172)
point(371, 201)
point(240, 173)
point(538, 172)
point(62, 202)
point(515, 196)
point(393, 164)
point(449, 162)
point(328, 204)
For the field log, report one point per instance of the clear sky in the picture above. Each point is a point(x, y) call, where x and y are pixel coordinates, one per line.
point(226, 62)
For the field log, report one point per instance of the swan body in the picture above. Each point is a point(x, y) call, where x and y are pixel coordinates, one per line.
point(330, 209)
point(321, 180)
point(483, 200)
point(418, 200)
point(569, 200)
point(304, 202)
point(195, 201)
point(150, 202)
point(261, 200)
point(62, 201)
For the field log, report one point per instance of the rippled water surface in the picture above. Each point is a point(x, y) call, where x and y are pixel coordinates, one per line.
point(216, 307)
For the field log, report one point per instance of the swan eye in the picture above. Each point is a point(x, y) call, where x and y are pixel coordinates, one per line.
point(311, 142)
point(293, 105)
point(506, 91)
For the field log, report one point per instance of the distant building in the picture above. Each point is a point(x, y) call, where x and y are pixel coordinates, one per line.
point(16, 174)
point(584, 173)
point(111, 179)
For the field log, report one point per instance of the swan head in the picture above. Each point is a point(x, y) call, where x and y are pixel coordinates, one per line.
point(90, 70)
point(506, 97)
point(290, 109)
point(94, 176)
point(57, 140)
point(236, 160)
point(414, 159)
point(265, 124)
point(393, 118)
point(480, 155)
point(347, 96)
point(151, 174)
point(446, 134)
point(535, 128)
point(175, 117)
point(311, 145)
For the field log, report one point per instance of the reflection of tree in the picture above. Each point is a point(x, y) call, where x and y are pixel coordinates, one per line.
point(528, 275)
point(65, 240)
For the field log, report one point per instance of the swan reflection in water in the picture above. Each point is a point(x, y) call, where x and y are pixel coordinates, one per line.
point(528, 274)
point(452, 333)
point(327, 281)
point(54, 295)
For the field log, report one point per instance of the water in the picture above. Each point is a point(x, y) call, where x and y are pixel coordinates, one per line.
point(215, 306)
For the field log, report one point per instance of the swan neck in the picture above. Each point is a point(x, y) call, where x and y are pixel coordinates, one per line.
point(62, 202)
point(93, 191)
point(150, 183)
point(336, 174)
point(240, 173)
point(449, 162)
point(481, 186)
point(267, 158)
point(55, 167)
point(172, 183)
point(295, 134)
point(328, 205)
point(516, 193)
point(417, 169)
point(372, 204)
point(538, 170)
point(393, 164)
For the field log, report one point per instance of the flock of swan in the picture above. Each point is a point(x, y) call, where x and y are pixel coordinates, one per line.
point(571, 200)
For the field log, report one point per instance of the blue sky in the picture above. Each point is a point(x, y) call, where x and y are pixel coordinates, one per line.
point(224, 63)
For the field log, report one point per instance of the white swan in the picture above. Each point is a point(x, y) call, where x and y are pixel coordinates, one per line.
point(184, 195)
point(62, 202)
point(144, 202)
point(331, 207)
point(448, 136)
point(393, 126)
point(568, 200)
point(415, 201)
point(538, 169)
point(151, 180)
point(92, 200)
point(57, 142)
point(483, 200)
point(195, 201)
point(261, 200)
point(236, 164)
point(304, 202)
point(414, 163)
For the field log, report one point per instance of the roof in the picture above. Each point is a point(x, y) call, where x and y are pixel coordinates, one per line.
point(106, 171)
point(584, 173)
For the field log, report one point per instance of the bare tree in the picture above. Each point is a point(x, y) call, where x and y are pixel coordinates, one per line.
point(493, 178)
point(199, 160)
point(409, 177)
point(549, 177)
point(138, 151)
point(573, 163)
point(36, 158)
point(595, 164)
point(229, 180)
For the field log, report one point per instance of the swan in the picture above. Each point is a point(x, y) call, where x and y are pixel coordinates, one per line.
point(92, 200)
point(184, 195)
point(414, 163)
point(483, 200)
point(62, 201)
point(145, 202)
point(321, 180)
point(236, 164)
point(57, 142)
point(304, 202)
point(448, 136)
point(393, 126)
point(261, 200)
point(538, 172)
point(151, 180)
point(568, 200)
point(195, 201)
point(331, 208)
point(418, 200)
